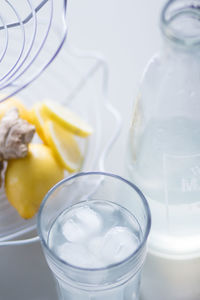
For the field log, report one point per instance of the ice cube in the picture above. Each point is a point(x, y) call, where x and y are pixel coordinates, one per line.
point(95, 245)
point(74, 254)
point(110, 214)
point(77, 255)
point(72, 230)
point(90, 220)
point(118, 243)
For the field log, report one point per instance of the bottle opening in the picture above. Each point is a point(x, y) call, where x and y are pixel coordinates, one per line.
point(180, 22)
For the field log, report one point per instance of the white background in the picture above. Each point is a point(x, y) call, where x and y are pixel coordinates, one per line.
point(126, 33)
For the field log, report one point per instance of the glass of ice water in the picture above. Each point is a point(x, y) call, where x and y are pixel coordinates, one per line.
point(93, 228)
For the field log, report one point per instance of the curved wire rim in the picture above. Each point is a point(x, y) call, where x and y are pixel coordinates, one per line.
point(23, 42)
point(7, 82)
point(6, 37)
point(18, 89)
point(102, 63)
point(10, 74)
point(132, 185)
point(169, 33)
point(14, 69)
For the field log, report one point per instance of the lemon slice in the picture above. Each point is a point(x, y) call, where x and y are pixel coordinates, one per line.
point(64, 146)
point(38, 119)
point(66, 118)
point(13, 102)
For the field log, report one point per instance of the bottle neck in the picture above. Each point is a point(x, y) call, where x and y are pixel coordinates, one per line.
point(180, 53)
point(180, 25)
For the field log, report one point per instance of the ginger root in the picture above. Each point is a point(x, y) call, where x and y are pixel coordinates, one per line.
point(15, 135)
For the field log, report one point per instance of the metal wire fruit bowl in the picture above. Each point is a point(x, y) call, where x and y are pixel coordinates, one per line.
point(78, 80)
point(32, 33)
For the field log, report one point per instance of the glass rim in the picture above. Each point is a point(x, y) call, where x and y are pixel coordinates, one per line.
point(170, 33)
point(118, 264)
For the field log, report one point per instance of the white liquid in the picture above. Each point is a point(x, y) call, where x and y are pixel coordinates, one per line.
point(96, 234)
point(164, 162)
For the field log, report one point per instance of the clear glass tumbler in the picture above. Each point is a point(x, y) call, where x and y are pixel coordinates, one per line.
point(115, 197)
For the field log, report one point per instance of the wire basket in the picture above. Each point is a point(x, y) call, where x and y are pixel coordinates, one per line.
point(32, 33)
point(77, 79)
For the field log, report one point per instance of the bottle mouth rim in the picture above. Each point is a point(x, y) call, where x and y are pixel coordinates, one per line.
point(180, 22)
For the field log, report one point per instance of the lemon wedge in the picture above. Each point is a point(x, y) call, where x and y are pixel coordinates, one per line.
point(66, 118)
point(38, 119)
point(64, 146)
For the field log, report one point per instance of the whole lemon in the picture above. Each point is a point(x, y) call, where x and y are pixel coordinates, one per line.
point(28, 179)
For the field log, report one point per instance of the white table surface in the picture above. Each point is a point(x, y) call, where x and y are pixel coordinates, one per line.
point(126, 33)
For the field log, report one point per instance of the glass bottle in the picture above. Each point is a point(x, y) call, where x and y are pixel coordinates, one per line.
point(164, 138)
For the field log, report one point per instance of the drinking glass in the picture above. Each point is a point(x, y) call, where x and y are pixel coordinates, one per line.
point(115, 281)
